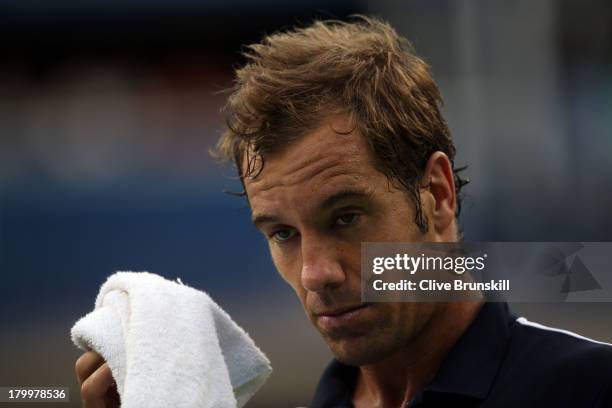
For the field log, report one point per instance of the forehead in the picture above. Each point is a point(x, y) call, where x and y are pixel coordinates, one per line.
point(332, 156)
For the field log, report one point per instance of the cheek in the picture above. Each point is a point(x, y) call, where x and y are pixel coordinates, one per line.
point(288, 268)
point(415, 316)
point(290, 274)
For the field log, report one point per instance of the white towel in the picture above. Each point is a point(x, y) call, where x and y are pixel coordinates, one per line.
point(169, 345)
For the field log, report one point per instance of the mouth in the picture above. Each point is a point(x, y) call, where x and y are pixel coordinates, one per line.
point(338, 318)
point(340, 311)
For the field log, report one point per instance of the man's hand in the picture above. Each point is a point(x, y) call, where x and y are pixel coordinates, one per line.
point(98, 388)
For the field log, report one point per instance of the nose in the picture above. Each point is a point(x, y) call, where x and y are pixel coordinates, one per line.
point(321, 266)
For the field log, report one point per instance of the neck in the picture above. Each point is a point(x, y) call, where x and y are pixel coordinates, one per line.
point(395, 380)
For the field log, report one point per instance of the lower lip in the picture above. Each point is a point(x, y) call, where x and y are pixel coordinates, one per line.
point(341, 320)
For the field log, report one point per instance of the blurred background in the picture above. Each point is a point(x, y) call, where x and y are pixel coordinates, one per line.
point(108, 109)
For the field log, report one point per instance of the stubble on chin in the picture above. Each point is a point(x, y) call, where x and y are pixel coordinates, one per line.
point(365, 345)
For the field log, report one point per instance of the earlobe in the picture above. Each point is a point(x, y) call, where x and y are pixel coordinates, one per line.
point(441, 186)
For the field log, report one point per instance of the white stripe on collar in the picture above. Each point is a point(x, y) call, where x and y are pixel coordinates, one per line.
point(526, 322)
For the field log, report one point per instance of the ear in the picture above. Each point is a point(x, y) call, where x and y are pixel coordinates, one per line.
point(439, 181)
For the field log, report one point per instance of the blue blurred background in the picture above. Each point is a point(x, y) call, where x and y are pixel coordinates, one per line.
point(108, 109)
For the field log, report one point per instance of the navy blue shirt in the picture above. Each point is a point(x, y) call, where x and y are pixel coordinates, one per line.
point(501, 361)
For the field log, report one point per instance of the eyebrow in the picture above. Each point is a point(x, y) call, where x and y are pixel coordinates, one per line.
point(327, 203)
point(343, 195)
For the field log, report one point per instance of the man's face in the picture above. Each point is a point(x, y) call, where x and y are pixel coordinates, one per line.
point(316, 201)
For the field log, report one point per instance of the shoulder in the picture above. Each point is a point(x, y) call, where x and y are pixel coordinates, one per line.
point(551, 358)
point(545, 343)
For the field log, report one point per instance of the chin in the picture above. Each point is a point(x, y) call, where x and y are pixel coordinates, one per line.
point(358, 351)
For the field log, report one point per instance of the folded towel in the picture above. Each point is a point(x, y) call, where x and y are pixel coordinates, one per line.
point(169, 345)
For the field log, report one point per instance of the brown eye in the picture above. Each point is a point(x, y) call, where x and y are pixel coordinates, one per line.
point(346, 219)
point(283, 235)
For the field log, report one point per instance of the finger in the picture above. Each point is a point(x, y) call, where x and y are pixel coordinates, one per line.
point(94, 404)
point(111, 398)
point(87, 364)
point(95, 387)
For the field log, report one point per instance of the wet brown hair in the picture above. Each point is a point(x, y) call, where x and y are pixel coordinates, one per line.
point(293, 80)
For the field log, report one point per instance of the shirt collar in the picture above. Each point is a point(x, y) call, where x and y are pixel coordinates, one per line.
point(468, 370)
point(472, 364)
